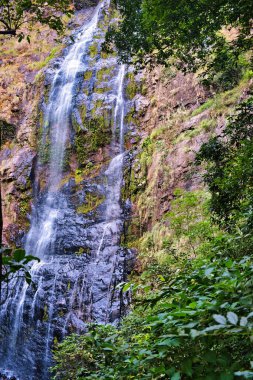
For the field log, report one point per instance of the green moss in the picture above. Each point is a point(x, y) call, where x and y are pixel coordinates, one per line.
point(102, 90)
point(83, 251)
point(83, 112)
point(44, 151)
point(207, 124)
point(98, 134)
point(67, 157)
point(131, 117)
point(45, 314)
point(92, 201)
point(96, 107)
point(103, 73)
point(105, 54)
point(24, 207)
point(88, 75)
point(208, 104)
point(39, 65)
point(93, 50)
point(132, 87)
point(78, 176)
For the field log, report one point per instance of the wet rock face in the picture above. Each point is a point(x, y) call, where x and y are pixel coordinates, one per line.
point(16, 165)
point(80, 4)
point(78, 216)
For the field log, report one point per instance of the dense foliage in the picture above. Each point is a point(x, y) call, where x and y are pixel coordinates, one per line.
point(230, 171)
point(191, 34)
point(15, 13)
point(193, 314)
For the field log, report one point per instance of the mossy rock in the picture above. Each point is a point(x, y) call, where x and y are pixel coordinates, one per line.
point(131, 117)
point(97, 134)
point(104, 73)
point(44, 150)
point(92, 201)
point(93, 50)
point(132, 86)
point(88, 75)
point(102, 90)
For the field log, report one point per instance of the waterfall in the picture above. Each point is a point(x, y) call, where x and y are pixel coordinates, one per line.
point(81, 257)
point(57, 119)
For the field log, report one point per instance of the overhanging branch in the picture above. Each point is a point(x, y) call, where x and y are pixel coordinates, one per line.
point(11, 32)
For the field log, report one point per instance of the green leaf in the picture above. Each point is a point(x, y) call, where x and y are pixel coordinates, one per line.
point(19, 254)
point(232, 318)
point(169, 343)
point(208, 271)
point(243, 321)
point(126, 287)
point(176, 376)
point(193, 305)
point(220, 319)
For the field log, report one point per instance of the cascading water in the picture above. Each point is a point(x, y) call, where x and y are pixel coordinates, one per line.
point(70, 289)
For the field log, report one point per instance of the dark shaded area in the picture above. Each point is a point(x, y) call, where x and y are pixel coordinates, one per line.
point(8, 131)
point(80, 4)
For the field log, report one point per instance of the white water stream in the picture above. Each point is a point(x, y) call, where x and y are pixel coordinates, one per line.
point(67, 289)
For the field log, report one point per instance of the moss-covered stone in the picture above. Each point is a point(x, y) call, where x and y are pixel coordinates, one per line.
point(103, 73)
point(102, 90)
point(88, 75)
point(96, 107)
point(131, 117)
point(44, 150)
point(92, 201)
point(83, 111)
point(93, 50)
point(132, 86)
point(83, 251)
point(98, 134)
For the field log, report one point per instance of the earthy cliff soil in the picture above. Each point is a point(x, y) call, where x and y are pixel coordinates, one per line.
point(21, 87)
point(180, 115)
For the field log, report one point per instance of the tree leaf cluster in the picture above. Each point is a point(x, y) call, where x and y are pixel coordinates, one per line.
point(15, 13)
point(15, 264)
point(229, 172)
point(191, 35)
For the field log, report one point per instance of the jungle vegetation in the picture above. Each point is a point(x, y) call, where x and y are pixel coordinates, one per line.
point(192, 312)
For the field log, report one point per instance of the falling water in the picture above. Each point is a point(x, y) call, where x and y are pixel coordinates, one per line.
point(70, 289)
point(57, 119)
point(114, 172)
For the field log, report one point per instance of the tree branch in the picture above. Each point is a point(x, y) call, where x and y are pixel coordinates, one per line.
point(11, 32)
